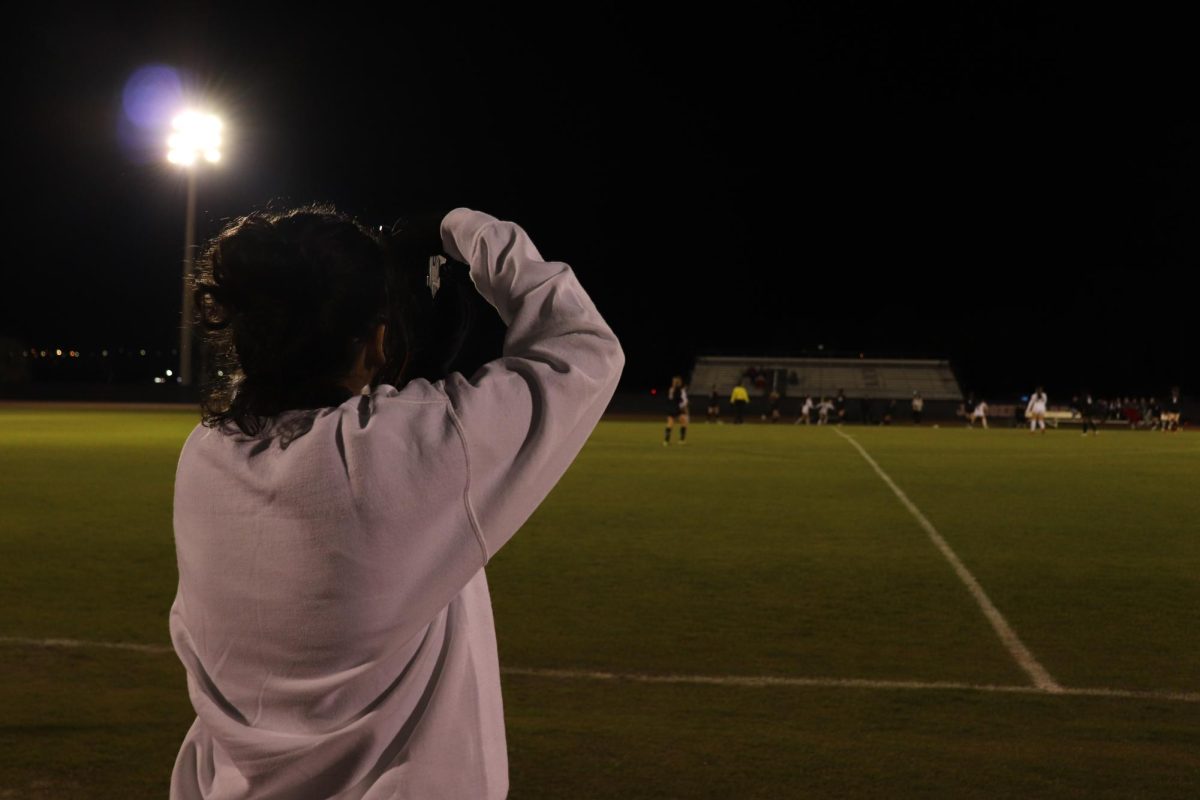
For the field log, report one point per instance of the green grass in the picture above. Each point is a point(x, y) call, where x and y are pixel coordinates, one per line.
point(754, 551)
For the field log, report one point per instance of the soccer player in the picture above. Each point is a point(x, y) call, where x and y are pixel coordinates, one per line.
point(979, 414)
point(773, 403)
point(806, 411)
point(839, 405)
point(918, 407)
point(714, 406)
point(739, 399)
point(1035, 411)
point(677, 409)
point(1088, 413)
point(823, 411)
point(1172, 413)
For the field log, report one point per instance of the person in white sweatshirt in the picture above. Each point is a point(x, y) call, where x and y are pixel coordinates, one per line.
point(1035, 411)
point(331, 530)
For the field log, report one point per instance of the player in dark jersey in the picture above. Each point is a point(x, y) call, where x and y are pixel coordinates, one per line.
point(714, 406)
point(1088, 411)
point(677, 409)
point(773, 401)
point(1172, 412)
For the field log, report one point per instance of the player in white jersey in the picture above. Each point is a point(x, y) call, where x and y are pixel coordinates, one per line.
point(1035, 412)
point(823, 410)
point(806, 411)
point(979, 414)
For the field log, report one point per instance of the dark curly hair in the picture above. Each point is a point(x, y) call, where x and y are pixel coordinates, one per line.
point(285, 300)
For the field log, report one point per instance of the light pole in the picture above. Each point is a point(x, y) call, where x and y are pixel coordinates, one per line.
point(195, 137)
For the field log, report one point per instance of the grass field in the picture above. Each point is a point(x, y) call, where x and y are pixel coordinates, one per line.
point(847, 658)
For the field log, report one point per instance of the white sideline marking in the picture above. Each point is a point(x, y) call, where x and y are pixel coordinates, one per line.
point(138, 648)
point(1018, 650)
point(843, 683)
point(751, 681)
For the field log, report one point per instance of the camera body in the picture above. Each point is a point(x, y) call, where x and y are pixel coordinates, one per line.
point(435, 316)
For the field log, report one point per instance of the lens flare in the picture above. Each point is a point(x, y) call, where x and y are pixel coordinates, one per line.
point(151, 94)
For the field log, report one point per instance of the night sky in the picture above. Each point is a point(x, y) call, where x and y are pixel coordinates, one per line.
point(1012, 188)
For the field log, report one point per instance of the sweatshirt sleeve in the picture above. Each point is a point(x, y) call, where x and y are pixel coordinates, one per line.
point(525, 416)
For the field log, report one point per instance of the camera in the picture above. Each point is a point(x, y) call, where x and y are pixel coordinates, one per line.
point(435, 316)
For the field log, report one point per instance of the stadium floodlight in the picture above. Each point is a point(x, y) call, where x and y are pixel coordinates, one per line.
point(195, 137)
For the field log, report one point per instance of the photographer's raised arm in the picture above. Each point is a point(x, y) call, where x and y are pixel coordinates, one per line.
point(525, 416)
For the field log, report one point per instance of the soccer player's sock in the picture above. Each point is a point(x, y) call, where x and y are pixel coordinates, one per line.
point(682, 432)
point(667, 438)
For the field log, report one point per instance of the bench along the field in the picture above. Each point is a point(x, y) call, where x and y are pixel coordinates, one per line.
point(1054, 416)
point(993, 411)
point(1070, 416)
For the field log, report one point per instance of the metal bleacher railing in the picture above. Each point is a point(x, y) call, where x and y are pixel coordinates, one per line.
point(858, 378)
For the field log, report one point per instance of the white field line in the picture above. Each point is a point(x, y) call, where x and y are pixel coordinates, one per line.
point(1020, 653)
point(748, 681)
point(73, 643)
point(842, 683)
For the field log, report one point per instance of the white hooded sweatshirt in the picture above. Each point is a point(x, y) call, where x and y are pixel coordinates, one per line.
point(332, 613)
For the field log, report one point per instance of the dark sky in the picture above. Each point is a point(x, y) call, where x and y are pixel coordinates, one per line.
point(1013, 188)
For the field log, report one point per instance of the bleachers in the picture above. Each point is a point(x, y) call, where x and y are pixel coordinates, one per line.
point(877, 379)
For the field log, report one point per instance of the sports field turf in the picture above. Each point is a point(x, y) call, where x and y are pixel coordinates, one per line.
point(755, 552)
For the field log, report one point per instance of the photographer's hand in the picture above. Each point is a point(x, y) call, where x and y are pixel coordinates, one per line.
point(525, 416)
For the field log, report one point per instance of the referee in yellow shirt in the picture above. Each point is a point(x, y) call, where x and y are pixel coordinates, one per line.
point(739, 400)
